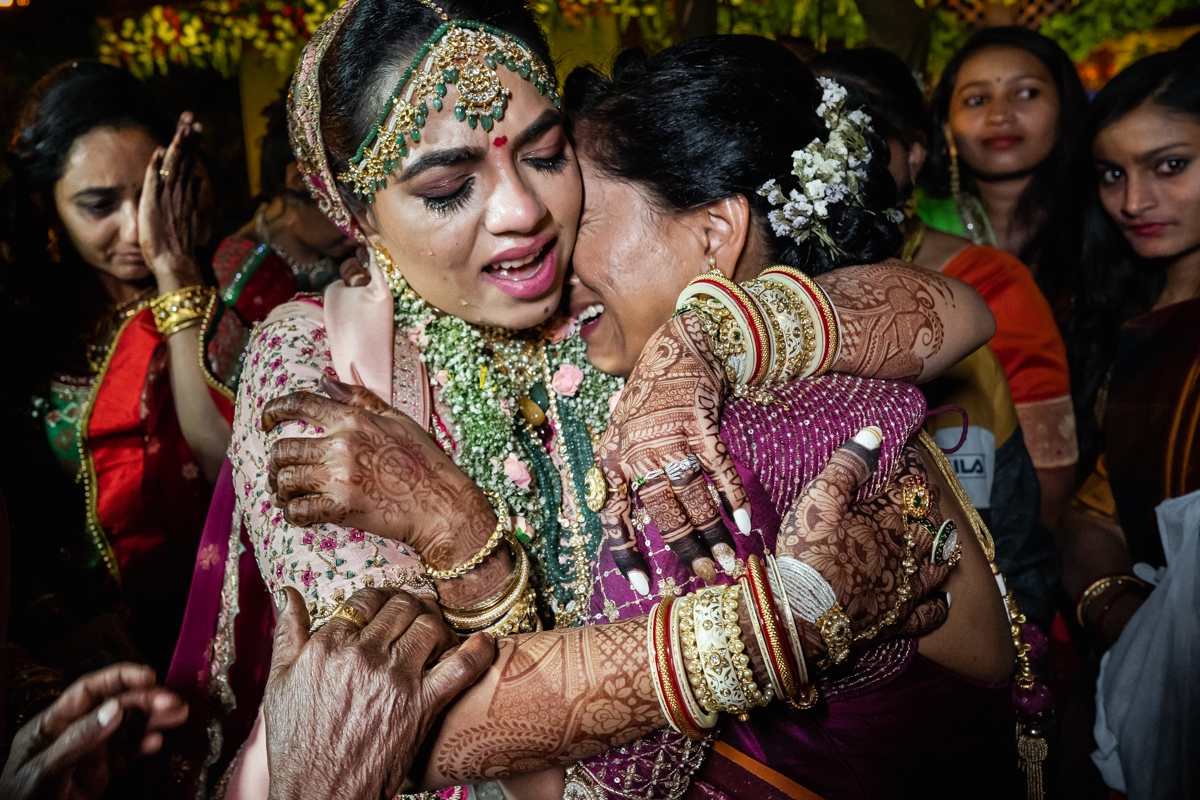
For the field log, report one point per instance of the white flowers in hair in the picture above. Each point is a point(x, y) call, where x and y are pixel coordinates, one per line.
point(829, 172)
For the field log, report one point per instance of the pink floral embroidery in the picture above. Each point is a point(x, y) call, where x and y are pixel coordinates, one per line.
point(566, 380)
point(328, 544)
point(355, 535)
point(209, 556)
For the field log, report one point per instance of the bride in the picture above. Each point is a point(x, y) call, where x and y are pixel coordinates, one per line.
point(479, 223)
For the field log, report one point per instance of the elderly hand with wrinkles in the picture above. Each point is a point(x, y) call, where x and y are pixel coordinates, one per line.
point(347, 709)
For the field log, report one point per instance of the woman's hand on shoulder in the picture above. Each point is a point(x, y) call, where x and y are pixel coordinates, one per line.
point(169, 213)
point(372, 468)
point(662, 441)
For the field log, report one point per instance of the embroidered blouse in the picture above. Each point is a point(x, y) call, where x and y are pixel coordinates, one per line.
point(325, 563)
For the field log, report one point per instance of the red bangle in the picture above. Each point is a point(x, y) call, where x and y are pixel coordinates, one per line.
point(753, 317)
point(779, 653)
point(663, 672)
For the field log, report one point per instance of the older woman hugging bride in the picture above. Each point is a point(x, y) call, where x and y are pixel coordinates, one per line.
point(469, 193)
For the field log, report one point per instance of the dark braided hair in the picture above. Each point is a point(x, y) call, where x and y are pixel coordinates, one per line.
point(373, 47)
point(1113, 284)
point(720, 116)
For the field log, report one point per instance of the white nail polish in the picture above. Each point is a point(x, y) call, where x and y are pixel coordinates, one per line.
point(108, 711)
point(741, 516)
point(947, 601)
point(639, 582)
point(726, 558)
point(869, 437)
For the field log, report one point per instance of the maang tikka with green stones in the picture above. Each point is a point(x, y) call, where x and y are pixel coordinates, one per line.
point(463, 53)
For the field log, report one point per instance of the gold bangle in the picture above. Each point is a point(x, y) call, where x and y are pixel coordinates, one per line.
point(503, 525)
point(1101, 585)
point(475, 618)
point(175, 311)
point(737, 650)
point(825, 311)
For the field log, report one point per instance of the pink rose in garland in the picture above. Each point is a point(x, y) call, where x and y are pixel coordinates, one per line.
point(516, 471)
point(566, 380)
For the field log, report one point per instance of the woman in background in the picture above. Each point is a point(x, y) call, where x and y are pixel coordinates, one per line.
point(1134, 344)
point(289, 246)
point(1005, 112)
point(120, 425)
point(1133, 336)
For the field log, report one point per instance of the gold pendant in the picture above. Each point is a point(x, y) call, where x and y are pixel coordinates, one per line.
point(915, 496)
point(597, 489)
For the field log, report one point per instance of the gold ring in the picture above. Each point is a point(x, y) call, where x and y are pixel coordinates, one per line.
point(351, 615)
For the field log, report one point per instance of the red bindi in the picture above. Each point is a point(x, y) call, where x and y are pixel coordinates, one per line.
point(500, 141)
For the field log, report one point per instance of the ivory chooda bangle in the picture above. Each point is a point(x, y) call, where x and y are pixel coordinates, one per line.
point(183, 308)
point(747, 315)
point(808, 691)
point(776, 650)
point(698, 717)
point(666, 685)
point(823, 311)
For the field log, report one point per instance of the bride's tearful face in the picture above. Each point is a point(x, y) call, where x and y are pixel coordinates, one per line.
point(482, 223)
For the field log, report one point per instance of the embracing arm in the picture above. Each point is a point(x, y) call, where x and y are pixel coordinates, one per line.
point(904, 322)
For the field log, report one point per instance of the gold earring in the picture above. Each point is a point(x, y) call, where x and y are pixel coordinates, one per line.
point(388, 267)
point(52, 246)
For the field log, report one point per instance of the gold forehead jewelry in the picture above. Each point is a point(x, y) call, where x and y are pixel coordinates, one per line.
point(465, 53)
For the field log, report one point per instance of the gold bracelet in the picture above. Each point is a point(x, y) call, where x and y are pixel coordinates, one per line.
point(175, 311)
point(477, 618)
point(1101, 585)
point(503, 525)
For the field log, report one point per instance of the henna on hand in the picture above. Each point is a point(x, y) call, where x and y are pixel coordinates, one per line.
point(670, 409)
point(560, 696)
point(859, 548)
point(381, 472)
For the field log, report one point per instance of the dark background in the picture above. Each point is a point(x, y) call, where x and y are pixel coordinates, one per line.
point(35, 38)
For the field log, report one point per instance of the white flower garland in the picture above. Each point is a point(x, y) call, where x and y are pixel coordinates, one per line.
point(829, 172)
point(461, 360)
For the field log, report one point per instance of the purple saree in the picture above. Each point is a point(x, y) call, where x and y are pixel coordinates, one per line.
point(890, 722)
